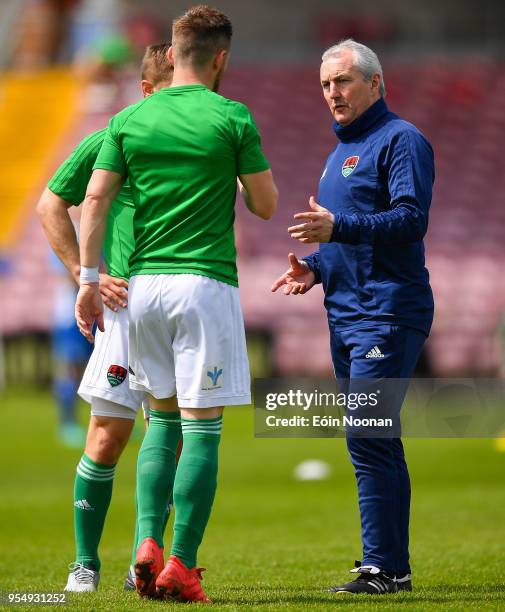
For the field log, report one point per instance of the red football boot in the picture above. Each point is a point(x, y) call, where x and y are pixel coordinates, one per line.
point(179, 583)
point(148, 564)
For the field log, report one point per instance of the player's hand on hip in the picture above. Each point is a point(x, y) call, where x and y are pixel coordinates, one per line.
point(88, 309)
point(113, 291)
point(318, 226)
point(298, 279)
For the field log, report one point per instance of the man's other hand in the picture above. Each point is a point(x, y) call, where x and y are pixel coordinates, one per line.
point(319, 227)
point(298, 279)
point(88, 309)
point(113, 291)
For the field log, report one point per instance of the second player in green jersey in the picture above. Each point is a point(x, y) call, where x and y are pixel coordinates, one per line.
point(105, 384)
point(70, 182)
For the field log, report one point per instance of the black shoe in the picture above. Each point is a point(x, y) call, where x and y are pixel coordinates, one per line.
point(371, 581)
point(404, 582)
point(129, 583)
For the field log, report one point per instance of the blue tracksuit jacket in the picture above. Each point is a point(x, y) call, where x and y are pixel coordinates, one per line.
point(377, 182)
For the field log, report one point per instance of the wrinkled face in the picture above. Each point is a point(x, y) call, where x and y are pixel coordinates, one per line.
point(347, 93)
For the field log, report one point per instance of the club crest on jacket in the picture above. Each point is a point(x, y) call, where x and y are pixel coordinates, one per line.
point(349, 164)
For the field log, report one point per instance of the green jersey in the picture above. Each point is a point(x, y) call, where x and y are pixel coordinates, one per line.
point(70, 182)
point(182, 149)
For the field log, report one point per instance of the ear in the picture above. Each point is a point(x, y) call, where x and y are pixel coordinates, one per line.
point(221, 59)
point(170, 55)
point(376, 80)
point(147, 87)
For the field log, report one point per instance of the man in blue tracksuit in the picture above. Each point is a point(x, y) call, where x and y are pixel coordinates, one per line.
point(370, 218)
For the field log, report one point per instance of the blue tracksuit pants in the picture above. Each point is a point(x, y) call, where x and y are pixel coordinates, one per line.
point(379, 463)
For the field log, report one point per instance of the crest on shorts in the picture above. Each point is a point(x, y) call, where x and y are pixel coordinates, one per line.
point(349, 164)
point(212, 377)
point(116, 374)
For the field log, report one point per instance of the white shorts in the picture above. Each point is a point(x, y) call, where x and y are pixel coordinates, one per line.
point(106, 374)
point(187, 339)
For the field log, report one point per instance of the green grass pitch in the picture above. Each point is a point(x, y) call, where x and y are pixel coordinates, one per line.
point(272, 543)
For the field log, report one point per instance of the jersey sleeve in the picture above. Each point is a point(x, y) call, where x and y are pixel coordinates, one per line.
point(71, 179)
point(250, 155)
point(409, 169)
point(111, 155)
point(314, 262)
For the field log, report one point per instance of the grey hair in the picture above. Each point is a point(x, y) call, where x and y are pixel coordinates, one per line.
point(365, 60)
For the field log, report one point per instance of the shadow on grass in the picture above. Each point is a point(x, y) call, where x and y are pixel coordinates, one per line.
point(271, 595)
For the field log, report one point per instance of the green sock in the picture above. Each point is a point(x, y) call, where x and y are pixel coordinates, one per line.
point(195, 485)
point(92, 494)
point(155, 473)
point(136, 534)
point(136, 540)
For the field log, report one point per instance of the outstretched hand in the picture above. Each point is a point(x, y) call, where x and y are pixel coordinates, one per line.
point(88, 309)
point(319, 226)
point(298, 279)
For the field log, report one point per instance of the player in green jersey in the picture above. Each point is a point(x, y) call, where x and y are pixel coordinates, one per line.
point(182, 149)
point(105, 382)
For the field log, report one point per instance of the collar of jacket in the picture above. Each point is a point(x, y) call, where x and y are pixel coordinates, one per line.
point(363, 123)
